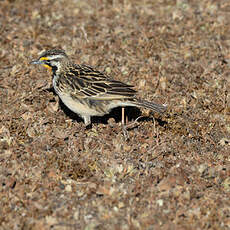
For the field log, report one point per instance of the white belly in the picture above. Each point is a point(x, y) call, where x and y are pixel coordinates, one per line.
point(79, 108)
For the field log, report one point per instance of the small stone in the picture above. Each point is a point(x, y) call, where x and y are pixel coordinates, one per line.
point(160, 202)
point(68, 188)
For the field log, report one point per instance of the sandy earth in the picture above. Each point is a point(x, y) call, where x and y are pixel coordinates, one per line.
point(173, 170)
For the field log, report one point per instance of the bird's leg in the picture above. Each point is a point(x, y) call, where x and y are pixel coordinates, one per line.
point(123, 116)
point(125, 133)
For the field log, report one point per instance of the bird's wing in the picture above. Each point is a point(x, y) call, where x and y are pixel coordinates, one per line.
point(85, 82)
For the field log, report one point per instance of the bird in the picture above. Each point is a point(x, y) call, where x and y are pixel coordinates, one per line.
point(87, 91)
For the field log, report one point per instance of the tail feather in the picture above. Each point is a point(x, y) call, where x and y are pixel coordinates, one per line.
point(151, 105)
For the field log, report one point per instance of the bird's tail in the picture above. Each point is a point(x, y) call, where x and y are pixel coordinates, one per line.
point(150, 105)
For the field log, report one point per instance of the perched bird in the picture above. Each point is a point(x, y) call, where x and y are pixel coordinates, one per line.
point(86, 91)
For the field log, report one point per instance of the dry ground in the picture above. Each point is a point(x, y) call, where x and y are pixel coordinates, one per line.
point(173, 172)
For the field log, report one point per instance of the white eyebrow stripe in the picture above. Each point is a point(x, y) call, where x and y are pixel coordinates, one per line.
point(55, 56)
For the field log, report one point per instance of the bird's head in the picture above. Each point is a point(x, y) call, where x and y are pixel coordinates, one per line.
point(52, 59)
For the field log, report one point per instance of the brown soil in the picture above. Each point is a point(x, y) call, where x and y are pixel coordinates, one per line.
point(174, 170)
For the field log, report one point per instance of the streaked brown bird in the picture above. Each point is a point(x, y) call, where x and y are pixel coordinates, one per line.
point(89, 92)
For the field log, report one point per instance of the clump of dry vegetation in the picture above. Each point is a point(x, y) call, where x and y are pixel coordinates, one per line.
point(172, 173)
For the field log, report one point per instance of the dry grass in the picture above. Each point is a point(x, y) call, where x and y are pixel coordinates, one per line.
point(172, 173)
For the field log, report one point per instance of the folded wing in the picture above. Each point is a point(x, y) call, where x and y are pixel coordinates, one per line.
point(85, 82)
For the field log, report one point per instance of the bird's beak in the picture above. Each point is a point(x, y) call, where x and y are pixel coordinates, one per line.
point(37, 62)
point(41, 61)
